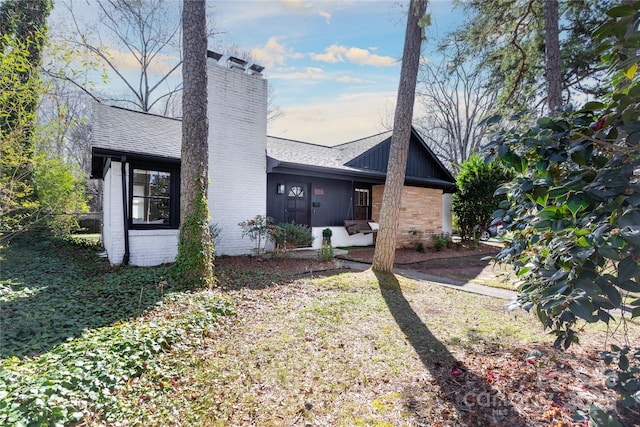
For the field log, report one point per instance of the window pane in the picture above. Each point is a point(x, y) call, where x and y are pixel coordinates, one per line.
point(159, 184)
point(151, 203)
point(296, 192)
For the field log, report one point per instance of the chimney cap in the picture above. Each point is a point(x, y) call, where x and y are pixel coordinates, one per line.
point(236, 62)
point(257, 69)
point(215, 55)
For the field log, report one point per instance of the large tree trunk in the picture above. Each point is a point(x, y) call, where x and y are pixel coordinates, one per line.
point(386, 241)
point(552, 50)
point(194, 264)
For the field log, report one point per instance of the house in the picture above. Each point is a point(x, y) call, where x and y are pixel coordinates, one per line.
point(138, 157)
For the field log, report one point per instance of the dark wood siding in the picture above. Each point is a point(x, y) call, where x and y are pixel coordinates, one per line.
point(420, 163)
point(331, 199)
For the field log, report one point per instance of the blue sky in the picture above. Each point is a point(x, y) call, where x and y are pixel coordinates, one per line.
point(333, 65)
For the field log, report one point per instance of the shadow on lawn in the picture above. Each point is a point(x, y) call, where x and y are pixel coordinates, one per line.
point(472, 397)
point(52, 290)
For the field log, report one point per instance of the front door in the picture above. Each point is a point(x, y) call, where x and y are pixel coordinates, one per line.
point(297, 209)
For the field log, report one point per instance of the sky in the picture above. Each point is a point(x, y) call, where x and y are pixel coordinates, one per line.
point(333, 66)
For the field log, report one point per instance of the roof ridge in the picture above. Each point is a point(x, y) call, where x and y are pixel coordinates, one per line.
point(300, 142)
point(146, 113)
point(362, 139)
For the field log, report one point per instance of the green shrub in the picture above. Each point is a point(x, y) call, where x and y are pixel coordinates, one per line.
point(257, 229)
point(441, 241)
point(290, 235)
point(475, 201)
point(326, 252)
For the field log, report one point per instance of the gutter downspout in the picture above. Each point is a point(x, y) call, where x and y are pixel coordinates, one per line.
point(125, 258)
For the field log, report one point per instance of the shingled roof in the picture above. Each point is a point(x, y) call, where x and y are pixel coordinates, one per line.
point(287, 151)
point(119, 131)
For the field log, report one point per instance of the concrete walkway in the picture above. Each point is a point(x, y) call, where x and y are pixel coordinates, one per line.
point(443, 281)
point(415, 275)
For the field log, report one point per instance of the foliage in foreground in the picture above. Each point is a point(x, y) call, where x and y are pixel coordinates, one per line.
point(68, 314)
point(574, 207)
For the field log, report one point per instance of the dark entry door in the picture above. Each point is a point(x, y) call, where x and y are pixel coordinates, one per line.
point(297, 209)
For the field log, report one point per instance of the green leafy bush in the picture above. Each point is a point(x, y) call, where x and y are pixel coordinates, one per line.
point(475, 200)
point(257, 229)
point(291, 235)
point(573, 206)
point(441, 241)
point(325, 253)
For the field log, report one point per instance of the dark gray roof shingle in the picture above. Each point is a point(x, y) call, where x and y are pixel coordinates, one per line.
point(336, 157)
point(121, 130)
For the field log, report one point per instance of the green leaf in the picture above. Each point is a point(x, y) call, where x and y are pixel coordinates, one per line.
point(631, 234)
point(628, 269)
point(629, 285)
point(600, 418)
point(621, 11)
point(613, 295)
point(491, 120)
point(575, 203)
point(593, 105)
point(556, 192)
point(581, 308)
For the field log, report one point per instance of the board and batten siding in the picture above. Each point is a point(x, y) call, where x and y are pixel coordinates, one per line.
point(237, 111)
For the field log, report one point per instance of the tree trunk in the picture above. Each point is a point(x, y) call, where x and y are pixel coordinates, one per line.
point(552, 50)
point(386, 241)
point(194, 264)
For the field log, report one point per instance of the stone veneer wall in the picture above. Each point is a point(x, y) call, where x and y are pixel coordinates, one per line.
point(420, 210)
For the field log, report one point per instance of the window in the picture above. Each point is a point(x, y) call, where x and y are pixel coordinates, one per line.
point(296, 191)
point(154, 198)
point(362, 203)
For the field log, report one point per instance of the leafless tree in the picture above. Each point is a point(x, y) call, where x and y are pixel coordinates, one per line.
point(455, 100)
point(136, 41)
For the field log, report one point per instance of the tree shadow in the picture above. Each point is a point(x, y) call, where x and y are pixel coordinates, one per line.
point(52, 290)
point(473, 401)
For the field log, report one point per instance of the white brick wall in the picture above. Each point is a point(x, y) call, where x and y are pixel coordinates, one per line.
point(152, 247)
point(237, 169)
point(146, 247)
point(237, 153)
point(112, 222)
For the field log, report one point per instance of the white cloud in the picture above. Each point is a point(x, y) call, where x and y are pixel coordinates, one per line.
point(309, 73)
point(337, 53)
point(347, 79)
point(273, 52)
point(326, 15)
point(347, 118)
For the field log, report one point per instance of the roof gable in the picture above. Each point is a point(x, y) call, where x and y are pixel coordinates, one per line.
point(363, 157)
point(421, 161)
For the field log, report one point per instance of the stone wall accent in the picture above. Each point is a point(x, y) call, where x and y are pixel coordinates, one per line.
point(420, 212)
